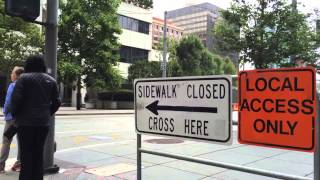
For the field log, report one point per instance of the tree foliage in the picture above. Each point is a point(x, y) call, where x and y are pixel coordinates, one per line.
point(271, 31)
point(174, 69)
point(146, 4)
point(172, 45)
point(88, 39)
point(193, 59)
point(18, 39)
point(144, 69)
point(189, 53)
point(228, 67)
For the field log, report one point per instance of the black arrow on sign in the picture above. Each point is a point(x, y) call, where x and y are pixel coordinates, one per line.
point(154, 107)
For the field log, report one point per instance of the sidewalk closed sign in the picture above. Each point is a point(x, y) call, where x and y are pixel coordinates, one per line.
point(278, 108)
point(196, 108)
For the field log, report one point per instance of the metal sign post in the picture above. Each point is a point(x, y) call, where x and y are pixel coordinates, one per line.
point(316, 156)
point(139, 157)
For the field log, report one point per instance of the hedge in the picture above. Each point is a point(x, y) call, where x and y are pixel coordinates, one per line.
point(120, 95)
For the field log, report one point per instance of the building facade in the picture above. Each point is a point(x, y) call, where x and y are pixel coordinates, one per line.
point(173, 31)
point(196, 19)
point(136, 36)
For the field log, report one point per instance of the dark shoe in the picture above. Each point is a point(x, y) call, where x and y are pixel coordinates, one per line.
point(16, 167)
point(2, 171)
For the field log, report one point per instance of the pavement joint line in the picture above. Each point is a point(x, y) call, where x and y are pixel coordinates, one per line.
point(102, 152)
point(220, 150)
point(186, 170)
point(309, 174)
point(267, 157)
point(275, 157)
point(92, 145)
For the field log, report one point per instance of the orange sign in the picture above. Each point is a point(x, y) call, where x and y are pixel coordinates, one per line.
point(277, 108)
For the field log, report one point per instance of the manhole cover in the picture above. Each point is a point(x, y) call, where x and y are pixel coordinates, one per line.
point(164, 141)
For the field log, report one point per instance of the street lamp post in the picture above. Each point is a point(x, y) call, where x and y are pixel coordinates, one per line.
point(164, 62)
point(51, 37)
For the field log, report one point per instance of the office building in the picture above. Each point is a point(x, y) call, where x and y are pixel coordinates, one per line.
point(136, 36)
point(173, 31)
point(196, 19)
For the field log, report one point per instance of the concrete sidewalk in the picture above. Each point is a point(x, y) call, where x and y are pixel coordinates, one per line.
point(117, 161)
point(69, 111)
point(100, 148)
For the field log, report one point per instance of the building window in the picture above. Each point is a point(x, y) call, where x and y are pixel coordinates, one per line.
point(157, 27)
point(143, 27)
point(133, 24)
point(131, 54)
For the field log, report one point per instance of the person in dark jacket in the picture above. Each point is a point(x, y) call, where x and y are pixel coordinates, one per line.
point(34, 100)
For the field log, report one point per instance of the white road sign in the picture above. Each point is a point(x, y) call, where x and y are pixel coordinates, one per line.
point(189, 107)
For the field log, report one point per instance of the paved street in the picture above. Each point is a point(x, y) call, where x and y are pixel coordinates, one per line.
point(104, 147)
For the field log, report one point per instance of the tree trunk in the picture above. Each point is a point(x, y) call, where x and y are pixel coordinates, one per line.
point(79, 93)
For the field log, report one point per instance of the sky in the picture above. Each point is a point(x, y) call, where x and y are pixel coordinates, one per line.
point(166, 5)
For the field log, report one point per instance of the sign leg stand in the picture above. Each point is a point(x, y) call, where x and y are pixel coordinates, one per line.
point(138, 157)
point(317, 151)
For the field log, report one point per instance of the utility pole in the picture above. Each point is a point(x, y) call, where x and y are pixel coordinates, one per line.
point(51, 37)
point(164, 62)
point(294, 5)
point(318, 27)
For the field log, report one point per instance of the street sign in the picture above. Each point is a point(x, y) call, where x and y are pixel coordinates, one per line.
point(163, 66)
point(278, 108)
point(196, 108)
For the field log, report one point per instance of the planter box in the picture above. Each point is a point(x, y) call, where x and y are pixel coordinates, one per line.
point(110, 104)
point(100, 104)
point(90, 105)
point(125, 105)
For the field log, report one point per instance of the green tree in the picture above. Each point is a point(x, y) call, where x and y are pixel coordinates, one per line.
point(219, 64)
point(88, 39)
point(208, 63)
point(193, 59)
point(271, 31)
point(144, 69)
point(18, 39)
point(172, 45)
point(189, 54)
point(146, 4)
point(174, 69)
point(228, 67)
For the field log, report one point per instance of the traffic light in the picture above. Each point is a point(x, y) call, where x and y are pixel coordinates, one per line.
point(26, 9)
